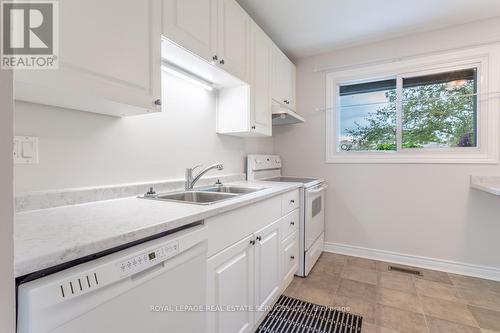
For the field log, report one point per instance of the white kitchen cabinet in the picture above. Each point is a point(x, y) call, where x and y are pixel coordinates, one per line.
point(246, 110)
point(267, 267)
point(246, 264)
point(246, 273)
point(216, 30)
point(289, 258)
point(261, 81)
point(230, 282)
point(109, 59)
point(234, 38)
point(283, 80)
point(192, 24)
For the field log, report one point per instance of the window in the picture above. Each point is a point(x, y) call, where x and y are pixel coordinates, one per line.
point(412, 112)
point(368, 116)
point(440, 110)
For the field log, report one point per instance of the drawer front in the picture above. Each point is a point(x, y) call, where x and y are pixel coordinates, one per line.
point(228, 228)
point(289, 202)
point(290, 257)
point(289, 224)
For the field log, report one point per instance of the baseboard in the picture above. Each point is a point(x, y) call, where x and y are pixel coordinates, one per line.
point(485, 272)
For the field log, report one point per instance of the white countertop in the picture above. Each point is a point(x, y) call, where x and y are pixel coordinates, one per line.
point(490, 184)
point(48, 237)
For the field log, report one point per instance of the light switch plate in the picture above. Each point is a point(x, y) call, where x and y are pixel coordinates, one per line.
point(25, 150)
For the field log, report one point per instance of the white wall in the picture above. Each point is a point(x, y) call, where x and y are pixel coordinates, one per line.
point(84, 149)
point(422, 210)
point(6, 205)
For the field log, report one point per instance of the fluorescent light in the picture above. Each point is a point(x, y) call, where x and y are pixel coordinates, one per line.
point(185, 75)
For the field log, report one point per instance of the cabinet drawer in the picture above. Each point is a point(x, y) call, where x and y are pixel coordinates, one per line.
point(290, 252)
point(289, 201)
point(225, 229)
point(289, 224)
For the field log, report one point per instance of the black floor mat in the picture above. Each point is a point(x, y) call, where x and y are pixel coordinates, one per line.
point(290, 315)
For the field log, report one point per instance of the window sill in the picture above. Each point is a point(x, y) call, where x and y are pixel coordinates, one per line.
point(398, 158)
point(489, 184)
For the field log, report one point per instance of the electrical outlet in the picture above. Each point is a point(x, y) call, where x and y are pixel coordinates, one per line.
point(25, 150)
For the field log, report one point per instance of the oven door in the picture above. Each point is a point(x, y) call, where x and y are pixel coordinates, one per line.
point(314, 218)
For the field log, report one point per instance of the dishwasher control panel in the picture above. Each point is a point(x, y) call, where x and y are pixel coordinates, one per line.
point(147, 259)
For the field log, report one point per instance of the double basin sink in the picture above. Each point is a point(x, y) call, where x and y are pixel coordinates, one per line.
point(204, 196)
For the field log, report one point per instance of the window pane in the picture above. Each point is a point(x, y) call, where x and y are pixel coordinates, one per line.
point(439, 110)
point(367, 116)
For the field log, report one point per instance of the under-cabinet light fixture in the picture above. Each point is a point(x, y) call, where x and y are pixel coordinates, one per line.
point(185, 75)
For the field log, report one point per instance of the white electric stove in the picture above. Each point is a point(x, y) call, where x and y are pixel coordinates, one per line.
point(312, 206)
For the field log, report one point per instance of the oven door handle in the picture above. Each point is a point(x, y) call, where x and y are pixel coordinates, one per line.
point(317, 190)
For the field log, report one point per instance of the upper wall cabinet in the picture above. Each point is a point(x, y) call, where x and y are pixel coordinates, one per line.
point(216, 30)
point(193, 25)
point(245, 110)
point(234, 38)
point(284, 73)
point(109, 59)
point(219, 36)
point(261, 81)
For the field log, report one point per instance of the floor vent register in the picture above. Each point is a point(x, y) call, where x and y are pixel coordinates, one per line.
point(293, 315)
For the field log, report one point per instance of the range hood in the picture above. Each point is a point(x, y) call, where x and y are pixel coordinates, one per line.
point(284, 116)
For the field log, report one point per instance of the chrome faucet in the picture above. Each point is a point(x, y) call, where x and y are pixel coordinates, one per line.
point(191, 180)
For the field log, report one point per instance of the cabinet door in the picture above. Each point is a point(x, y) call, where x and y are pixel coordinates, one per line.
point(267, 267)
point(192, 24)
point(281, 80)
point(283, 88)
point(231, 282)
point(261, 70)
point(109, 59)
point(290, 258)
point(293, 87)
point(234, 39)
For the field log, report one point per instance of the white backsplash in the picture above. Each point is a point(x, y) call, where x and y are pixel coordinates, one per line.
point(55, 198)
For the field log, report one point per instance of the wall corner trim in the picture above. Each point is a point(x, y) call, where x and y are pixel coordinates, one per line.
point(485, 272)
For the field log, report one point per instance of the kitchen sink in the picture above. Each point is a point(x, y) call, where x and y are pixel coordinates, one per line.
point(230, 189)
point(204, 196)
point(197, 197)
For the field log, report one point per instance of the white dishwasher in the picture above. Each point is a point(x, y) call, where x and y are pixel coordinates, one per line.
point(153, 287)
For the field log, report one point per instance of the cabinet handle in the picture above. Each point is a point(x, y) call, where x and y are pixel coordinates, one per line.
point(252, 242)
point(292, 223)
point(157, 102)
point(292, 201)
point(215, 57)
point(221, 61)
point(292, 257)
point(258, 238)
point(253, 127)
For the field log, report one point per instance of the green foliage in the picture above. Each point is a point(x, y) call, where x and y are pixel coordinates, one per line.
point(386, 146)
point(433, 115)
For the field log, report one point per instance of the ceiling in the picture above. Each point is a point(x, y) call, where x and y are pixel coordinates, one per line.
point(306, 27)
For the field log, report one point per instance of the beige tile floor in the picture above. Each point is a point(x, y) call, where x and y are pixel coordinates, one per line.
point(392, 302)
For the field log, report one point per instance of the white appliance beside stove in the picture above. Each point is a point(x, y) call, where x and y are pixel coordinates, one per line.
point(312, 206)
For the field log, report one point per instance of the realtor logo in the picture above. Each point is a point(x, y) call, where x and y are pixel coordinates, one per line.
point(29, 34)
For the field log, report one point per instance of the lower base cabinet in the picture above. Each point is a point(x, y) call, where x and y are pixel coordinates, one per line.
point(247, 273)
point(245, 278)
point(267, 268)
point(230, 284)
point(290, 260)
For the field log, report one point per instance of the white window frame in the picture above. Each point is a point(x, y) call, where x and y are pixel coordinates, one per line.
point(487, 61)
